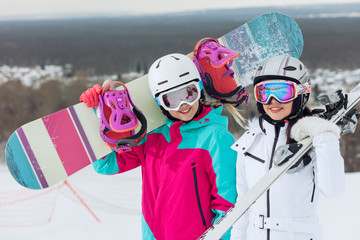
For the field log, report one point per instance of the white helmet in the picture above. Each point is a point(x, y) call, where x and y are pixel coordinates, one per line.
point(288, 68)
point(170, 71)
point(282, 67)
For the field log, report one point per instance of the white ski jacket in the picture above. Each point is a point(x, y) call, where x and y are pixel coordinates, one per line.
point(288, 209)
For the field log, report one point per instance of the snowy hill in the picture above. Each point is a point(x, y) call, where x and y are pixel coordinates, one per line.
point(71, 220)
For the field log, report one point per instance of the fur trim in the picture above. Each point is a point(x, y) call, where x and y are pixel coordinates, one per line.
point(253, 124)
point(313, 126)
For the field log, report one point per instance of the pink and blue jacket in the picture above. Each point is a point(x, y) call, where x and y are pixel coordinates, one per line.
point(188, 175)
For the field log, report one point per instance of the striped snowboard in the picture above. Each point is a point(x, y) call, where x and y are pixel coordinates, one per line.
point(48, 150)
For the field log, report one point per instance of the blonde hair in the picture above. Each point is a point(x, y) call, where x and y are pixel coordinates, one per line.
point(239, 119)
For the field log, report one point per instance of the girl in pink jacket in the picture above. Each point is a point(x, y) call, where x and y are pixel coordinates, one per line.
point(188, 167)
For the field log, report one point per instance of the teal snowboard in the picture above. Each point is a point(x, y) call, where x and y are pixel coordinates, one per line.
point(46, 151)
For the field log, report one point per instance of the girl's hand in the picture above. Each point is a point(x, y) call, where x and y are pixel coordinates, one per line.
point(91, 96)
point(313, 126)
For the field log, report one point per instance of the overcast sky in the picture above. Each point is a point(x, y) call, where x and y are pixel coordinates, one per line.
point(26, 7)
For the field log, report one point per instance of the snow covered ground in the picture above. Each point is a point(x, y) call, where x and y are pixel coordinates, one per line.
point(340, 216)
point(71, 220)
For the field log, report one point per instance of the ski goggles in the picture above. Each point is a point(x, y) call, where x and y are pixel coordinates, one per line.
point(283, 91)
point(187, 93)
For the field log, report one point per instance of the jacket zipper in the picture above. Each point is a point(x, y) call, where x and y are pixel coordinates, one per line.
point(313, 192)
point(277, 133)
point(198, 195)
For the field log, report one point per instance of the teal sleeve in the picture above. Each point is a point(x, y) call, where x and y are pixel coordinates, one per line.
point(107, 165)
point(115, 163)
point(224, 165)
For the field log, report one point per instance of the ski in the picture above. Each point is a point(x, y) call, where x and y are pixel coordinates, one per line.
point(290, 154)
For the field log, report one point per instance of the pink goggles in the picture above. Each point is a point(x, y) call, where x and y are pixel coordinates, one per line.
point(283, 91)
point(188, 93)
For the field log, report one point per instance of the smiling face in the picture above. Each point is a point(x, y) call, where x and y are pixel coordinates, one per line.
point(278, 111)
point(186, 112)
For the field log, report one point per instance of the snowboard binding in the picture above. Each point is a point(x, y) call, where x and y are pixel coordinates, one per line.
point(213, 62)
point(118, 121)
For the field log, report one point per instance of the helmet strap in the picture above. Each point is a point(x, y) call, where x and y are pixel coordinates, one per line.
point(267, 118)
point(168, 115)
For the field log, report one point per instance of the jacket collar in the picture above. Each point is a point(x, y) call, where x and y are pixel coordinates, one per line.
point(253, 129)
point(270, 128)
point(209, 115)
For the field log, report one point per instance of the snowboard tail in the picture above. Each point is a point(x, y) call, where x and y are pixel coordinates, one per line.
point(268, 35)
point(54, 147)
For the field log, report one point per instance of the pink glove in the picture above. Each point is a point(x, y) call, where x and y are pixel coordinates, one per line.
point(91, 96)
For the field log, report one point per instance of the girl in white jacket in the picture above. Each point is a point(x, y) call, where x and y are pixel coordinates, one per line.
point(288, 209)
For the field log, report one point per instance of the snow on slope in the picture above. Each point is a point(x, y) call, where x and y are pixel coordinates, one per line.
point(71, 220)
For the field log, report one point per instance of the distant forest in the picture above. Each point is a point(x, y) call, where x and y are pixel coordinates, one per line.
point(120, 45)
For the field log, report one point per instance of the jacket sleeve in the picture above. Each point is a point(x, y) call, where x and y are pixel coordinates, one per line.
point(224, 165)
point(329, 164)
point(238, 231)
point(115, 163)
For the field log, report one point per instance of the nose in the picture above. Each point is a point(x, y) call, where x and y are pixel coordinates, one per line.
point(183, 106)
point(273, 101)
